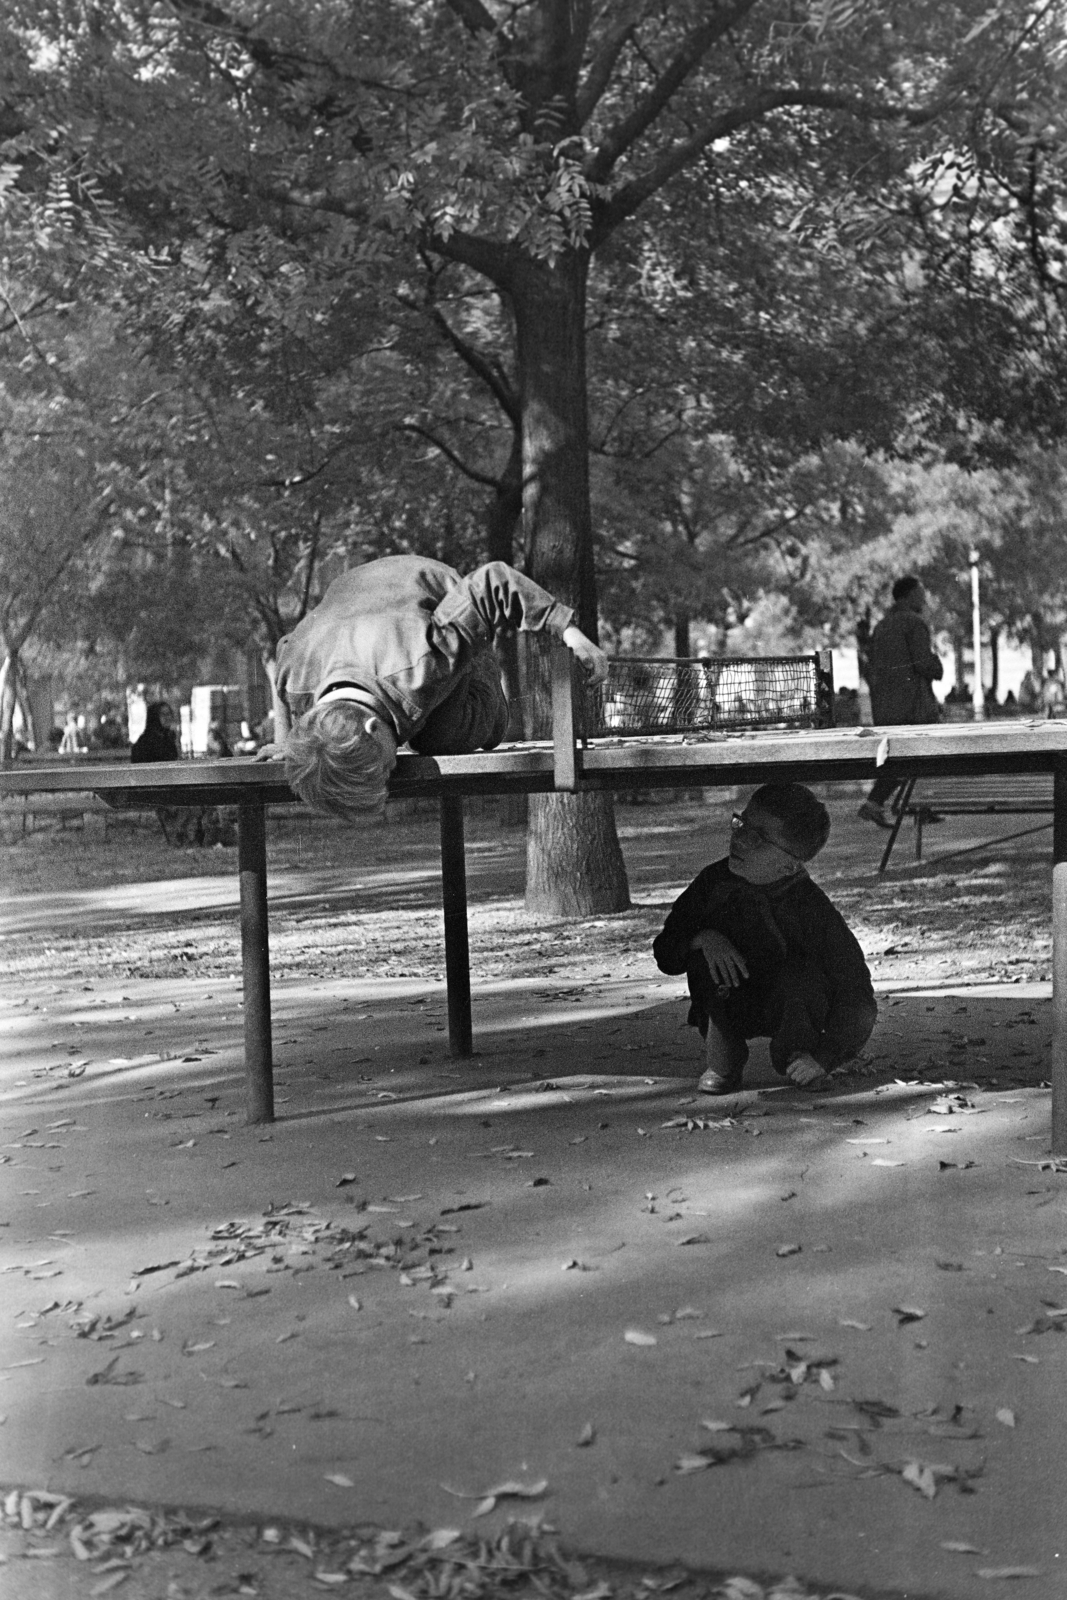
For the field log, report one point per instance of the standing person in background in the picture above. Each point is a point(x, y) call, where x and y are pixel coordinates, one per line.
point(903, 666)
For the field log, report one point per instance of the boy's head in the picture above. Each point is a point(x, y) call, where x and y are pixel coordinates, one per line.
point(781, 827)
point(338, 758)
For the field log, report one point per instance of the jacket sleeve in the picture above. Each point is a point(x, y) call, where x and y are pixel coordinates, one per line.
point(496, 599)
point(925, 661)
point(687, 916)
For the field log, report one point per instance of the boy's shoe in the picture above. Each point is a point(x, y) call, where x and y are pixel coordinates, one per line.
point(804, 1072)
point(870, 812)
point(712, 1082)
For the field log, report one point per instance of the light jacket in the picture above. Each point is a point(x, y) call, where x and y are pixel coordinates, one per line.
point(903, 664)
point(403, 629)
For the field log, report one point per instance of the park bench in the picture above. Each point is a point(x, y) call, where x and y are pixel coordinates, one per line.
point(583, 755)
point(1016, 794)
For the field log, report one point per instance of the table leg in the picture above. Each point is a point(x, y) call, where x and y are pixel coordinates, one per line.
point(255, 960)
point(1059, 960)
point(457, 950)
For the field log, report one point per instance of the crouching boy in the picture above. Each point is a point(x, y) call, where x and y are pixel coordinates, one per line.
point(765, 952)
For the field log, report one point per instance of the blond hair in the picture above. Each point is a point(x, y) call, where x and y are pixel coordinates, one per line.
point(334, 764)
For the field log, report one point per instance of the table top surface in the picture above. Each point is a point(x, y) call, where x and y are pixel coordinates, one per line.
point(835, 753)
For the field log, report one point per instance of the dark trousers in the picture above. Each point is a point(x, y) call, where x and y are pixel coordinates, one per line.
point(474, 717)
point(792, 1007)
point(882, 789)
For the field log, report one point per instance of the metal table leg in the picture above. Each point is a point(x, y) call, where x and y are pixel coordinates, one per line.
point(255, 960)
point(1059, 960)
point(457, 950)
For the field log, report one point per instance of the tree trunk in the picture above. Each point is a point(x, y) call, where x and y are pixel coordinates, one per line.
point(574, 865)
point(681, 634)
point(8, 696)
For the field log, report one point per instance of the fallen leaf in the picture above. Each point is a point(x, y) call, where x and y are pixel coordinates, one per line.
point(345, 1179)
point(339, 1479)
point(993, 1573)
point(961, 1547)
point(921, 1478)
point(511, 1490)
point(692, 1463)
point(1007, 1416)
point(849, 1322)
point(587, 1435)
point(694, 1238)
point(355, 1302)
point(906, 1314)
point(788, 1250)
point(636, 1336)
point(882, 1161)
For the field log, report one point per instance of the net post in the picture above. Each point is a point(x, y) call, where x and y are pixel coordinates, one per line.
point(824, 688)
point(565, 761)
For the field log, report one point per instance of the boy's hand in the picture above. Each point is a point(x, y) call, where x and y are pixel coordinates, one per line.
point(593, 660)
point(725, 961)
point(270, 752)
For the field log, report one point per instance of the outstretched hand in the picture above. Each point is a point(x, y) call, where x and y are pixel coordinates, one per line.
point(725, 962)
point(592, 659)
point(270, 752)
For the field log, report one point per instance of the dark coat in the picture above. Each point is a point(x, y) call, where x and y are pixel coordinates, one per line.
point(788, 922)
point(156, 743)
point(903, 664)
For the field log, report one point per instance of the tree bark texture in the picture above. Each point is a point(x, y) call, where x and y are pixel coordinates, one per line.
point(8, 697)
point(574, 865)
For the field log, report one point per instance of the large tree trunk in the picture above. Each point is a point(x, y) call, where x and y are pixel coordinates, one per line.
point(574, 865)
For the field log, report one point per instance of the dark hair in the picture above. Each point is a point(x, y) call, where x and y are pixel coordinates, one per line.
point(153, 717)
point(805, 820)
point(905, 586)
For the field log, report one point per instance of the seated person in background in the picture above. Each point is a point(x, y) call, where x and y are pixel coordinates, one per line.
point(400, 651)
point(158, 742)
point(766, 953)
point(182, 825)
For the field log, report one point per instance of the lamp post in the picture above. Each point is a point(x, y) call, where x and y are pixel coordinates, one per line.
point(977, 696)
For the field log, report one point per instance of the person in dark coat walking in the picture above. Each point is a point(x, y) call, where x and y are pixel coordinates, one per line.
point(903, 666)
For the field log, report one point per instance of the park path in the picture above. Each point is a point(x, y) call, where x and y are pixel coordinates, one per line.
point(784, 1334)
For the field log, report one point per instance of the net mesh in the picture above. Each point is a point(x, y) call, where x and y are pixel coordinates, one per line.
point(647, 695)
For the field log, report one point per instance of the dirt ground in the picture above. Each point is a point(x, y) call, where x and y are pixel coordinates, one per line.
point(835, 1274)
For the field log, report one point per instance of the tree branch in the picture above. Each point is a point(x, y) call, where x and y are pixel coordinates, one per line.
point(446, 450)
point(603, 64)
point(686, 59)
point(489, 372)
point(678, 156)
point(486, 256)
point(473, 15)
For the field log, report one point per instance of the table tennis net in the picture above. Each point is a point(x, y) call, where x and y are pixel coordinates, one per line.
point(650, 695)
